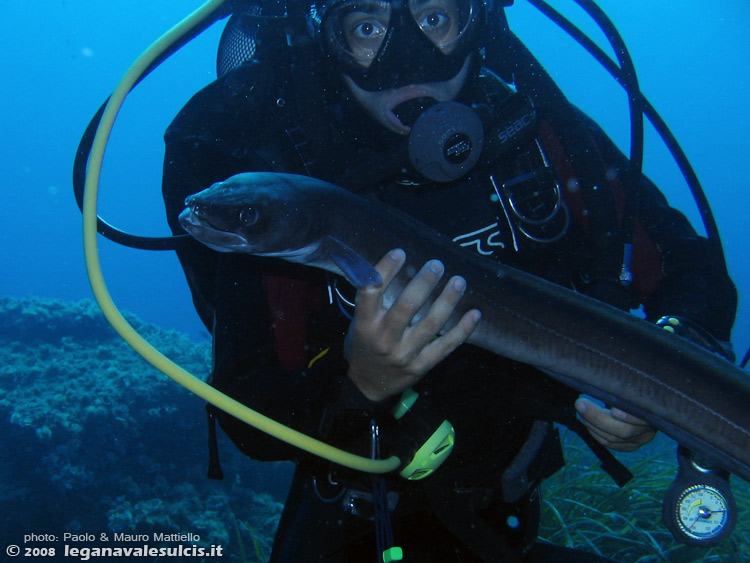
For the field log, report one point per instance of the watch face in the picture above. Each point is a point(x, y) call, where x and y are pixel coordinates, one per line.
point(702, 512)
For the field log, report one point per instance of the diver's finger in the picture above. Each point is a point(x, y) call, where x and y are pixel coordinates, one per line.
point(616, 434)
point(621, 444)
point(622, 416)
point(433, 322)
point(413, 297)
point(441, 347)
point(604, 438)
point(603, 420)
point(369, 298)
point(598, 420)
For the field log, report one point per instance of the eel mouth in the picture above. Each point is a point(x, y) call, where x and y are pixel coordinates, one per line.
point(203, 231)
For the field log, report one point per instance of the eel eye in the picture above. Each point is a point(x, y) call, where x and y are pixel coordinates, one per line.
point(249, 216)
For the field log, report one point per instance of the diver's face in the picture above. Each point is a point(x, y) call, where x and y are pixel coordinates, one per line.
point(393, 51)
point(381, 103)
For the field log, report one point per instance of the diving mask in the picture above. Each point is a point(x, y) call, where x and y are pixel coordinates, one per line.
point(389, 44)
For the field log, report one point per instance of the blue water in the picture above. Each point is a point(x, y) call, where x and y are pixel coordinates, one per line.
point(61, 58)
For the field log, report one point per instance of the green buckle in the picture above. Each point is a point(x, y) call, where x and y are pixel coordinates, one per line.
point(393, 554)
point(432, 454)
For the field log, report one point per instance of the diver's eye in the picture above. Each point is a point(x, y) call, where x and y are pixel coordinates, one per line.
point(367, 31)
point(249, 216)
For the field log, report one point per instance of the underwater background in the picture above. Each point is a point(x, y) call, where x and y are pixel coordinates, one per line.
point(96, 441)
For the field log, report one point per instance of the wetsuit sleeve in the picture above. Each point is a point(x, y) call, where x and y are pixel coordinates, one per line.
point(695, 283)
point(229, 292)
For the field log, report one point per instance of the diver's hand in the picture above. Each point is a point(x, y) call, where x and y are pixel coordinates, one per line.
point(614, 428)
point(387, 354)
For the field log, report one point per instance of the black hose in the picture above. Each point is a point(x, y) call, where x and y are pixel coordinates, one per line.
point(660, 126)
point(84, 150)
point(743, 363)
point(629, 80)
point(103, 228)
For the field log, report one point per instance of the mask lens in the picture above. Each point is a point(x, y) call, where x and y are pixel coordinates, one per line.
point(442, 21)
point(357, 29)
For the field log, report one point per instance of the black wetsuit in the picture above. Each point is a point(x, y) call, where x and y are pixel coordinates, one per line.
point(269, 318)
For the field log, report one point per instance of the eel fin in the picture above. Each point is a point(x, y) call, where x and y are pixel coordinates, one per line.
point(358, 271)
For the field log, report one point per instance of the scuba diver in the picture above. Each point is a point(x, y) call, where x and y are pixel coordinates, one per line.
point(435, 108)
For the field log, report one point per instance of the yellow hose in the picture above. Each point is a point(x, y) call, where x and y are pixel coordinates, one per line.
point(125, 330)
